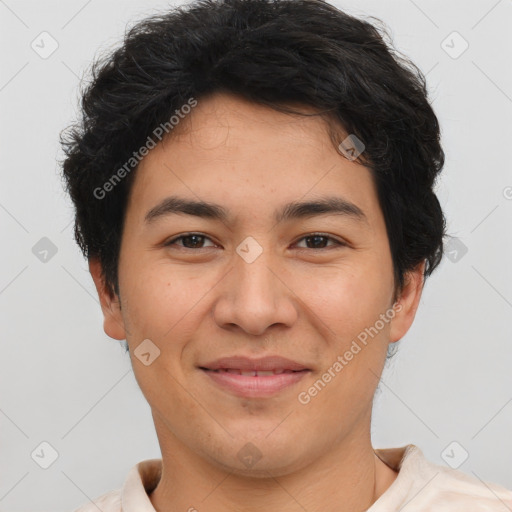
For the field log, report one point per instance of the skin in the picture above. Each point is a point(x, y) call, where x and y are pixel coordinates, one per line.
point(299, 300)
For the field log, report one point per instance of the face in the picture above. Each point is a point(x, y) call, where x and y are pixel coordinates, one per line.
point(250, 275)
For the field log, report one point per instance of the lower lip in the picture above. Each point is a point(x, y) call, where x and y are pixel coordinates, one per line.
point(259, 386)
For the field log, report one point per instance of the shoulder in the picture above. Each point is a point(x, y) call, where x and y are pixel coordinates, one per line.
point(445, 489)
point(108, 502)
point(452, 489)
point(424, 486)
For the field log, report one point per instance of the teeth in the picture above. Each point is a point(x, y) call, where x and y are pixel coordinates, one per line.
point(254, 373)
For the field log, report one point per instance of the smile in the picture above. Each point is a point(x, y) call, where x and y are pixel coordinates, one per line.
point(254, 383)
point(253, 373)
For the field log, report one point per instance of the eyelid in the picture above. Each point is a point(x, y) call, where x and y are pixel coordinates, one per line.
point(185, 235)
point(338, 242)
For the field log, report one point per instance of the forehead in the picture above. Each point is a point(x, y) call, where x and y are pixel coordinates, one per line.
point(228, 123)
point(234, 152)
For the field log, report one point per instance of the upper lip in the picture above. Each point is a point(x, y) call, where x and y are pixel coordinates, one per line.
point(242, 363)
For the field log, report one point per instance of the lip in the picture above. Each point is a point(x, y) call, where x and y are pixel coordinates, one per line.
point(267, 363)
point(256, 385)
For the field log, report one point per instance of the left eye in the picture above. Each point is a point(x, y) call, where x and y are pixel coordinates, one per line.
point(194, 240)
point(316, 238)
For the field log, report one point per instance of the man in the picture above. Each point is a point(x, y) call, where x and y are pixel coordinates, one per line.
point(253, 183)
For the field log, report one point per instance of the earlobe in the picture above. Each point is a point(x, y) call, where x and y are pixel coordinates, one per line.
point(407, 303)
point(113, 323)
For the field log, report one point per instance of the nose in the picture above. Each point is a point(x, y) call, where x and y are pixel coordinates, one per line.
point(255, 294)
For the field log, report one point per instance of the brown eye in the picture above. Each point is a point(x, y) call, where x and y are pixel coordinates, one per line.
point(320, 240)
point(189, 241)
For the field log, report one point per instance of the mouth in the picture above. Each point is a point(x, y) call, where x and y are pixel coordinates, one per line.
point(252, 373)
point(245, 377)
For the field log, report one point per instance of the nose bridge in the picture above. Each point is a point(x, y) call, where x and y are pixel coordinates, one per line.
point(253, 296)
point(252, 269)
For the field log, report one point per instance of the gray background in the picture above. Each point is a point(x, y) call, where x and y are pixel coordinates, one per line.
point(65, 382)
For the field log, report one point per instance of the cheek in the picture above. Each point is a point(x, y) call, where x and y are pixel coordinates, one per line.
point(346, 299)
point(157, 296)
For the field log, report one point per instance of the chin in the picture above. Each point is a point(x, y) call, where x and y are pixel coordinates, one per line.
point(259, 455)
point(264, 467)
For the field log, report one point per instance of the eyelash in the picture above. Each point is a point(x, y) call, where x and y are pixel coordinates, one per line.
point(323, 235)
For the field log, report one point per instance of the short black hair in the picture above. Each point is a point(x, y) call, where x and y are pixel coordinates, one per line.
point(276, 53)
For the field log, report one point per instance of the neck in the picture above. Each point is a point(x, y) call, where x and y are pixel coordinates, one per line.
point(348, 478)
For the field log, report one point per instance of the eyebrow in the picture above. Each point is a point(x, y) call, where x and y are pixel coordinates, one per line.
point(331, 205)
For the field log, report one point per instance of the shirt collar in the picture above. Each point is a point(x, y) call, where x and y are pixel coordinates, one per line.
point(140, 482)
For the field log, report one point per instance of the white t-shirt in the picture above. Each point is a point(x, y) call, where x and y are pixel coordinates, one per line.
point(420, 486)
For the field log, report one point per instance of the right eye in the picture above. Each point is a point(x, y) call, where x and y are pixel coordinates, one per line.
point(189, 241)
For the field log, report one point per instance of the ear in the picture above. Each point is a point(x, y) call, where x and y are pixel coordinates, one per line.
point(407, 303)
point(113, 323)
